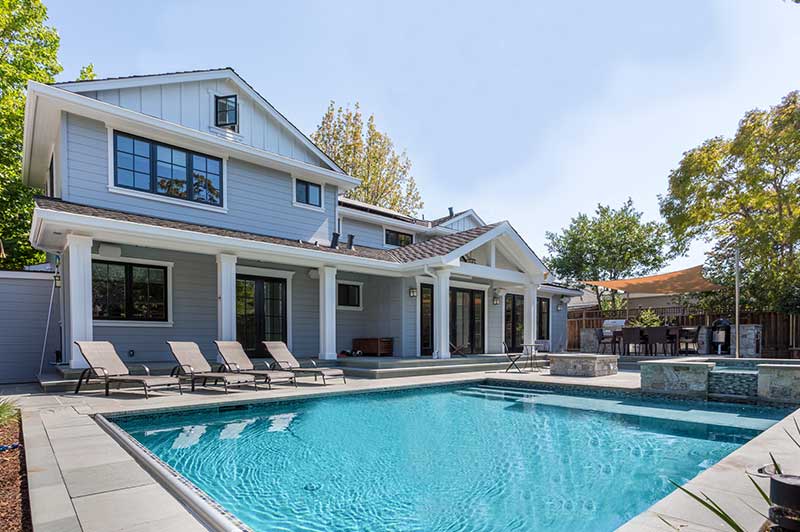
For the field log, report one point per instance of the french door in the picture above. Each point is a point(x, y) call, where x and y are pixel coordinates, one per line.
point(466, 320)
point(260, 312)
point(426, 319)
point(514, 322)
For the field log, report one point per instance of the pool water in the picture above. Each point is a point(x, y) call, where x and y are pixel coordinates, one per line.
point(467, 458)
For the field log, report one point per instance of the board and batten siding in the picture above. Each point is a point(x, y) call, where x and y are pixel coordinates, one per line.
point(24, 301)
point(259, 199)
point(365, 233)
point(191, 104)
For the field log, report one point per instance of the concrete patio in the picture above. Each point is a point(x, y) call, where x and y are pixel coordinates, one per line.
point(80, 479)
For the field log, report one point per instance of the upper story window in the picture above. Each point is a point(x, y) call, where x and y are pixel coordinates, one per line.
point(396, 238)
point(149, 166)
point(226, 111)
point(308, 193)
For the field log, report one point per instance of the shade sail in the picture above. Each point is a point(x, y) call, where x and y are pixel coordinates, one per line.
point(679, 282)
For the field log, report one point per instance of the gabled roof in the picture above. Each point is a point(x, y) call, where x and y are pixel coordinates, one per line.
point(439, 246)
point(457, 216)
point(198, 75)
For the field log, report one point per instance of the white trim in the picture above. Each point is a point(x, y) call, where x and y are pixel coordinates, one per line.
point(275, 274)
point(302, 205)
point(133, 323)
point(25, 275)
point(464, 214)
point(470, 286)
point(557, 290)
point(227, 73)
point(226, 297)
point(327, 313)
point(360, 286)
point(377, 219)
point(79, 285)
point(145, 125)
point(112, 186)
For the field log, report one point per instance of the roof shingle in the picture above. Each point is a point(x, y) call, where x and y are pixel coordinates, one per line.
point(438, 246)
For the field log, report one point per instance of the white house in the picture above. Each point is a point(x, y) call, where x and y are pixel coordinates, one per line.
point(183, 206)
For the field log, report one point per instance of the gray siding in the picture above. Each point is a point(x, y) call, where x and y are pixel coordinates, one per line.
point(194, 309)
point(382, 314)
point(494, 341)
point(367, 234)
point(23, 307)
point(191, 104)
point(410, 311)
point(558, 326)
point(259, 199)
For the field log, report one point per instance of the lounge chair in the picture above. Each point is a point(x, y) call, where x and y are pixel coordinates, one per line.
point(285, 360)
point(237, 361)
point(193, 366)
point(105, 363)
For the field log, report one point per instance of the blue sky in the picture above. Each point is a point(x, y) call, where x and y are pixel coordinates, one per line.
point(530, 112)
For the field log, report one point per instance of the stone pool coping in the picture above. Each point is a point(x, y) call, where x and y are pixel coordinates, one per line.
point(73, 490)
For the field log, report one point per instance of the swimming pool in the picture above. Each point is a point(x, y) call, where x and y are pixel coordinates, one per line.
point(481, 457)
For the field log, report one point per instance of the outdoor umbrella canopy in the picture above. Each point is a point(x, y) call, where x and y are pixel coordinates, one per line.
point(679, 282)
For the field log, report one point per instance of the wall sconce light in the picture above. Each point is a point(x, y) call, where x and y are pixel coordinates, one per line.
point(495, 300)
point(412, 292)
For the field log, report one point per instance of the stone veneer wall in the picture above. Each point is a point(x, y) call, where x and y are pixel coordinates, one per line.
point(743, 383)
point(688, 379)
point(749, 346)
point(779, 383)
point(583, 365)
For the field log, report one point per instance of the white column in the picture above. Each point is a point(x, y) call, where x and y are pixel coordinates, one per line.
point(226, 297)
point(441, 315)
point(327, 313)
point(79, 281)
point(530, 314)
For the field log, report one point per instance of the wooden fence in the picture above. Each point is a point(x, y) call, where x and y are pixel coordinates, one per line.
point(780, 332)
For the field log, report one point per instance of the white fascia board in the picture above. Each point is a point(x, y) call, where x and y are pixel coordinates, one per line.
point(377, 219)
point(156, 236)
point(495, 274)
point(559, 290)
point(183, 77)
point(135, 122)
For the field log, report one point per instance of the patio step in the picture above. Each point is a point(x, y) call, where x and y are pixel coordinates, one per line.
point(417, 371)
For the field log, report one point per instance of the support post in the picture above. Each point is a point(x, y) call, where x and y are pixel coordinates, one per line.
point(327, 313)
point(79, 285)
point(529, 329)
point(441, 315)
point(226, 297)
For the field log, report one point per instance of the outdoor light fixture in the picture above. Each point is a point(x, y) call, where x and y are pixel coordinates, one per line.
point(495, 300)
point(412, 292)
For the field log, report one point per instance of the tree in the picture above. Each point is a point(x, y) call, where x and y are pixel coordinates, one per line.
point(745, 192)
point(28, 50)
point(368, 154)
point(613, 244)
point(87, 73)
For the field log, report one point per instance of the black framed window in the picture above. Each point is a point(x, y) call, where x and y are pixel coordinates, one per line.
point(129, 292)
point(308, 193)
point(543, 318)
point(396, 238)
point(149, 166)
point(349, 295)
point(226, 111)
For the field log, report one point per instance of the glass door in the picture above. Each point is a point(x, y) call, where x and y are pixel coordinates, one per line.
point(260, 312)
point(466, 321)
point(543, 319)
point(514, 322)
point(426, 319)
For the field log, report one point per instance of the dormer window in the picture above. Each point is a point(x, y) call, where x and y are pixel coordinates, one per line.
point(396, 238)
point(227, 112)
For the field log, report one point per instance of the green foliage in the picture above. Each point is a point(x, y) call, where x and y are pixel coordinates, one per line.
point(745, 192)
point(8, 411)
point(613, 244)
point(647, 318)
point(87, 73)
point(28, 50)
point(368, 154)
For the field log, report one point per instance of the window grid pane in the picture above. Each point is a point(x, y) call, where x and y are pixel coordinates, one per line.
point(128, 292)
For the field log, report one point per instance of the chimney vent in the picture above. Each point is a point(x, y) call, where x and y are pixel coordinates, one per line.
point(335, 240)
point(451, 211)
point(350, 239)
